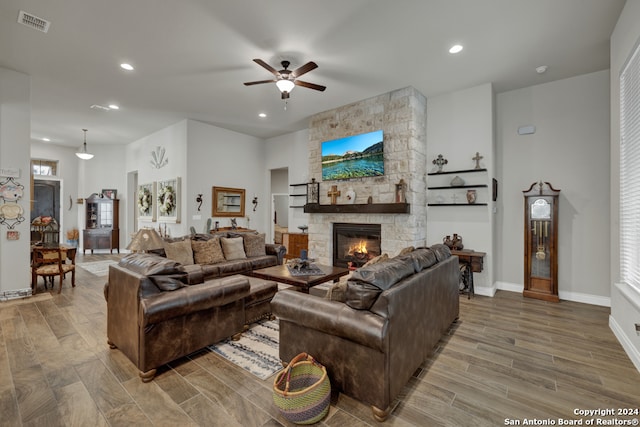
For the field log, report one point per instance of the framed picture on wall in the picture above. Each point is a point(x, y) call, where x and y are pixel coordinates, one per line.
point(168, 200)
point(146, 202)
point(110, 194)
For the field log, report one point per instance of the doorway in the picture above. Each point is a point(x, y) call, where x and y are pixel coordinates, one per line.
point(279, 203)
point(45, 215)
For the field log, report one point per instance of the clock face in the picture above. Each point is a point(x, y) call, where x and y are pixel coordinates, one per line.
point(540, 209)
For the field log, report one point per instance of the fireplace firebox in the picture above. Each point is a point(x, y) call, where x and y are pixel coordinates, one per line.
point(355, 244)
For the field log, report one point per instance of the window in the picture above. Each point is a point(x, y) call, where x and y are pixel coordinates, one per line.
point(44, 167)
point(630, 171)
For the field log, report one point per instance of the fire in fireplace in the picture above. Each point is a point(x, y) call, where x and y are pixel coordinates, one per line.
point(355, 244)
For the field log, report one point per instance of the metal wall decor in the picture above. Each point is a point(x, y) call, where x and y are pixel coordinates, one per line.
point(11, 213)
point(157, 157)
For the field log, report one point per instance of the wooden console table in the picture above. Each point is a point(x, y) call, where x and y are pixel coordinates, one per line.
point(471, 261)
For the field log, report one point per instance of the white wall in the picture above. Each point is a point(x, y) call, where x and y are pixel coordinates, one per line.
point(625, 301)
point(290, 151)
point(15, 131)
point(459, 124)
point(570, 149)
point(223, 158)
point(173, 139)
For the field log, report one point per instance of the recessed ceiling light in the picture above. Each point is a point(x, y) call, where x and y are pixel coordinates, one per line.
point(542, 69)
point(456, 48)
point(46, 139)
point(126, 66)
point(114, 107)
point(262, 115)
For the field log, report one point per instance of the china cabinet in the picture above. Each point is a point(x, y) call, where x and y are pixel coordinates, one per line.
point(101, 224)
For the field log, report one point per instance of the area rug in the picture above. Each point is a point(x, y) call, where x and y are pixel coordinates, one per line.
point(257, 350)
point(99, 268)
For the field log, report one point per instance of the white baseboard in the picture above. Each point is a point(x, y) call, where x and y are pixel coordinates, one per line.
point(585, 298)
point(568, 296)
point(628, 346)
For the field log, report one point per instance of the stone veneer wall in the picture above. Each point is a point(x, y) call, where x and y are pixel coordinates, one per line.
point(401, 115)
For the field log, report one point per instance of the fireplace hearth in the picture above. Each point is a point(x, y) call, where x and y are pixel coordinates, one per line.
point(355, 244)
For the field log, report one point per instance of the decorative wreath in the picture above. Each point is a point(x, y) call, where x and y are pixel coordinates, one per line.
point(167, 200)
point(144, 201)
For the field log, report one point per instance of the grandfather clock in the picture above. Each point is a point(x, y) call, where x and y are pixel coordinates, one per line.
point(541, 242)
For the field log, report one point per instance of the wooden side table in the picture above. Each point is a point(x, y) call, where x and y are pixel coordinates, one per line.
point(471, 261)
point(294, 242)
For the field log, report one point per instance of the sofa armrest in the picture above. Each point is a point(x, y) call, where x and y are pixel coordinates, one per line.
point(331, 317)
point(190, 299)
point(277, 250)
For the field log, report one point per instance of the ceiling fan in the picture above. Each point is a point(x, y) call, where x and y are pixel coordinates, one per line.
point(286, 79)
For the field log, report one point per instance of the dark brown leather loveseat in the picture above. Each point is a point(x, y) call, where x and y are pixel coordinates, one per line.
point(394, 314)
point(159, 311)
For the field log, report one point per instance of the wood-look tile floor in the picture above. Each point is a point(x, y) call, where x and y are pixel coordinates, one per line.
point(507, 358)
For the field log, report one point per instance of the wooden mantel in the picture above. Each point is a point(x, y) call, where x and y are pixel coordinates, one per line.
point(369, 208)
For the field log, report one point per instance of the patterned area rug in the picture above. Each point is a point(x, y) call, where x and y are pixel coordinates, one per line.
point(99, 268)
point(256, 351)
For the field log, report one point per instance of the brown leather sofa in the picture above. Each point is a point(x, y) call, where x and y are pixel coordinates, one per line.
point(159, 310)
point(394, 314)
point(273, 254)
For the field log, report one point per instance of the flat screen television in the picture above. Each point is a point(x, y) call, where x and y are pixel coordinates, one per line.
point(354, 156)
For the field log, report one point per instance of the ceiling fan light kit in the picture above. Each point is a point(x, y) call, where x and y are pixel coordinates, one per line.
point(286, 79)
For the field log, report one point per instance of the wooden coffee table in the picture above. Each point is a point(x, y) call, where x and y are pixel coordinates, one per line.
point(280, 273)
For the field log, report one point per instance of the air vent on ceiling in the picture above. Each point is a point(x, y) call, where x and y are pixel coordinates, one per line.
point(100, 107)
point(33, 21)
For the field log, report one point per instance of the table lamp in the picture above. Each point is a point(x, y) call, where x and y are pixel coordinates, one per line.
point(146, 239)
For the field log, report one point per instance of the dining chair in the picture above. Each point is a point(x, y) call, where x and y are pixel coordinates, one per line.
point(51, 262)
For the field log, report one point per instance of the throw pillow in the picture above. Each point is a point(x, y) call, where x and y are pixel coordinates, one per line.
point(377, 259)
point(179, 251)
point(442, 251)
point(168, 283)
point(254, 245)
point(406, 250)
point(383, 275)
point(207, 251)
point(338, 291)
point(233, 248)
point(361, 296)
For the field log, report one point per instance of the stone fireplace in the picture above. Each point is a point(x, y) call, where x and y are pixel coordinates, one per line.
point(401, 115)
point(355, 244)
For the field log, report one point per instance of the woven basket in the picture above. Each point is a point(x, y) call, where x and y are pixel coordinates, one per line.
point(302, 391)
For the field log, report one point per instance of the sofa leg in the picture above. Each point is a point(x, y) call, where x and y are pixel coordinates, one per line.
point(380, 415)
point(237, 336)
point(111, 345)
point(147, 376)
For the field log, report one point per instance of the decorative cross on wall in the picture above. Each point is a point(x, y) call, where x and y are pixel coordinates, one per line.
point(440, 162)
point(334, 193)
point(477, 158)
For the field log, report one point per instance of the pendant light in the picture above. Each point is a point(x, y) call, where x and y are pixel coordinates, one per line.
point(83, 154)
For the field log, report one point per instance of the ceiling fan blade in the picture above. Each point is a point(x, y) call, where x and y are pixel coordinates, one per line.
point(266, 66)
point(309, 85)
point(259, 82)
point(304, 69)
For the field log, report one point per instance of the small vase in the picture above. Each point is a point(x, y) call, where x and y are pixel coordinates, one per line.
point(471, 196)
point(448, 242)
point(457, 242)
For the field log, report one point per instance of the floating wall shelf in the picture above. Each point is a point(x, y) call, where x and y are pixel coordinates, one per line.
point(385, 208)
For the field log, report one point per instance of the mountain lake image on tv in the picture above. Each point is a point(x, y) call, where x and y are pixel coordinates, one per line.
point(354, 156)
